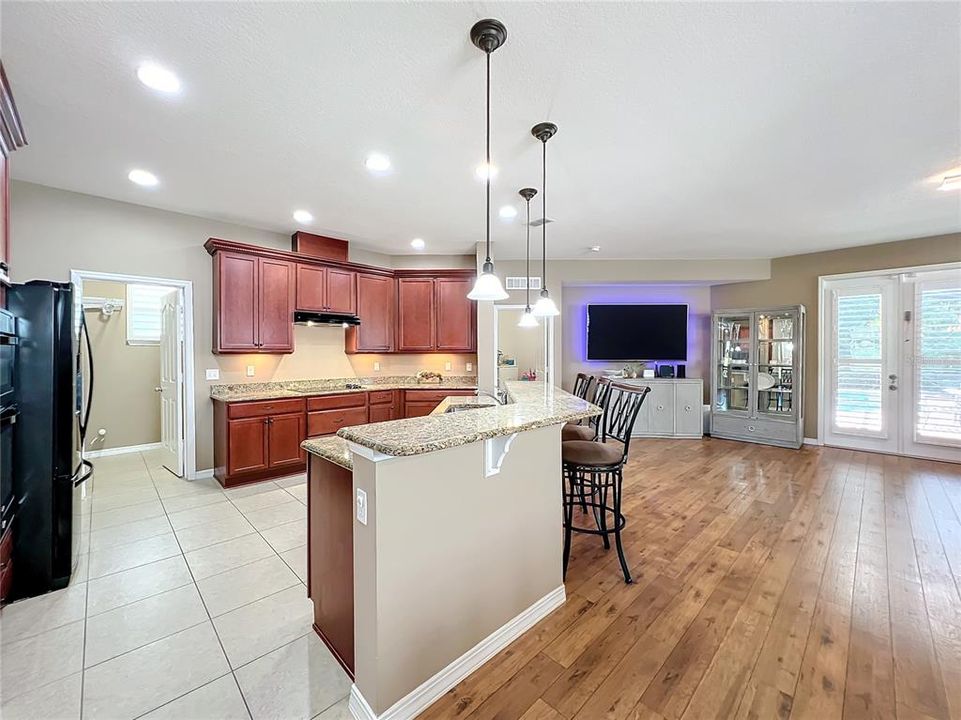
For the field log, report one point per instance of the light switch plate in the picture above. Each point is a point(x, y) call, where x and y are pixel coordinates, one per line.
point(250, 371)
point(447, 365)
point(213, 374)
point(376, 366)
point(470, 366)
point(361, 506)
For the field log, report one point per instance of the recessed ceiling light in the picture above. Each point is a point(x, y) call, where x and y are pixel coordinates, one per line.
point(158, 78)
point(418, 244)
point(508, 212)
point(950, 182)
point(481, 171)
point(377, 163)
point(302, 216)
point(595, 248)
point(143, 178)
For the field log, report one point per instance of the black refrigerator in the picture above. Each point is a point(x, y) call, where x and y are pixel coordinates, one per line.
point(48, 475)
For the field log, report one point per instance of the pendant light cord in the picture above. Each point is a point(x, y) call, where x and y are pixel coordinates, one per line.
point(544, 226)
point(487, 218)
point(528, 309)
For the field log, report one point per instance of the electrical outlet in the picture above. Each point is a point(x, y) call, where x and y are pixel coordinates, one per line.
point(213, 374)
point(470, 366)
point(447, 365)
point(376, 366)
point(361, 506)
point(250, 371)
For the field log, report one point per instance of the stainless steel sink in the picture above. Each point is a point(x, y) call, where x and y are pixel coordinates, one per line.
point(460, 408)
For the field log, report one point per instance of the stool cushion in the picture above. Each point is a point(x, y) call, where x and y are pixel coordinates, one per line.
point(591, 454)
point(572, 431)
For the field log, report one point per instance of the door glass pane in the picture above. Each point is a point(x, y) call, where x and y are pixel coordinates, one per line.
point(858, 400)
point(775, 360)
point(734, 363)
point(938, 364)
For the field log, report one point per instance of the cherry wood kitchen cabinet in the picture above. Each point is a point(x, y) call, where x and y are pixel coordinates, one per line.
point(455, 324)
point(259, 439)
point(382, 406)
point(253, 304)
point(418, 403)
point(327, 414)
point(415, 314)
point(11, 138)
point(326, 289)
point(375, 308)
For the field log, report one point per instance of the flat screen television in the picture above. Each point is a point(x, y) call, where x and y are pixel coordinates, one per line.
point(637, 332)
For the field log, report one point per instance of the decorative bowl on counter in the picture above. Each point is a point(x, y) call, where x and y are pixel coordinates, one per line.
point(428, 376)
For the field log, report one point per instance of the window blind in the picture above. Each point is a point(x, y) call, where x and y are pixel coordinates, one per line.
point(144, 313)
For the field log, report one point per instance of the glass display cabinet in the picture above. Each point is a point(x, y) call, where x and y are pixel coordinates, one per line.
point(757, 370)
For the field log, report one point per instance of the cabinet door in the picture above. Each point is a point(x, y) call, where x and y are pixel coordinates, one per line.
point(375, 307)
point(381, 413)
point(311, 288)
point(455, 315)
point(688, 416)
point(418, 408)
point(284, 435)
point(660, 406)
point(341, 291)
point(236, 285)
point(4, 214)
point(276, 306)
point(246, 445)
point(415, 314)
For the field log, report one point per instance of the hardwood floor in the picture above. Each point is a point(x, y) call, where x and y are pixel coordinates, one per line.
point(769, 583)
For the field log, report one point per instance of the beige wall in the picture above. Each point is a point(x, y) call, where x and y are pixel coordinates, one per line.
point(55, 231)
point(124, 401)
point(794, 280)
point(565, 276)
point(432, 579)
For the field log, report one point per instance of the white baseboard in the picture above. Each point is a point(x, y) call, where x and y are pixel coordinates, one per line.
point(811, 441)
point(202, 474)
point(429, 691)
point(121, 450)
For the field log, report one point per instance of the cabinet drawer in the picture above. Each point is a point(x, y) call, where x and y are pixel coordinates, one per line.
point(327, 422)
point(262, 408)
point(434, 396)
point(754, 429)
point(379, 397)
point(332, 402)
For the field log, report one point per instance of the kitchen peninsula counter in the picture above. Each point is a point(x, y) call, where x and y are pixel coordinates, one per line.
point(435, 541)
point(244, 392)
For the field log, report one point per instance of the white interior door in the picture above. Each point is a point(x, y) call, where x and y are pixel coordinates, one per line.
point(861, 371)
point(891, 363)
point(931, 390)
point(171, 383)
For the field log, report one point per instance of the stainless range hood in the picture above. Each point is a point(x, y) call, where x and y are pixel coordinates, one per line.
point(312, 319)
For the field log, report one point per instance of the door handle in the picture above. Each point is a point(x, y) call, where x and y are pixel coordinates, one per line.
point(158, 389)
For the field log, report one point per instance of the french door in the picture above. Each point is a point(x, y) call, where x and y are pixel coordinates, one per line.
point(891, 363)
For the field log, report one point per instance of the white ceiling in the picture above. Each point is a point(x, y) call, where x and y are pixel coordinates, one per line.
point(697, 130)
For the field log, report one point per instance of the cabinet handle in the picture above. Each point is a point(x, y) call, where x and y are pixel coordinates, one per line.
point(688, 408)
point(660, 407)
point(750, 428)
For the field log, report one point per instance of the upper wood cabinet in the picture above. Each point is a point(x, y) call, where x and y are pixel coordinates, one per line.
point(435, 315)
point(455, 324)
point(253, 304)
point(11, 138)
point(375, 307)
point(415, 314)
point(326, 289)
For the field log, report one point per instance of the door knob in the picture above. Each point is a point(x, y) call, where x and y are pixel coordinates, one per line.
point(158, 389)
point(892, 377)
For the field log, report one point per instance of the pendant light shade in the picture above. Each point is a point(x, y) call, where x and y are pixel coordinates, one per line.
point(527, 319)
point(488, 35)
point(544, 307)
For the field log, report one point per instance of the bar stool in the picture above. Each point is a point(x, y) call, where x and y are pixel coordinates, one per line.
point(593, 473)
point(582, 385)
point(594, 426)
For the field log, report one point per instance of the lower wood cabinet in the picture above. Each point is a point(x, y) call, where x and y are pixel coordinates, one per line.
point(258, 440)
point(418, 403)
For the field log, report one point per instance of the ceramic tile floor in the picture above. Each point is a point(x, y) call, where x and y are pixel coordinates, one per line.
point(189, 602)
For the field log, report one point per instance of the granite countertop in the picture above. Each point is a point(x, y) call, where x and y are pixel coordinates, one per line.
point(332, 386)
point(532, 405)
point(471, 402)
point(330, 448)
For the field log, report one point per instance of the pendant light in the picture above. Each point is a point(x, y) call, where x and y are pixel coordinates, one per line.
point(544, 307)
point(527, 319)
point(488, 35)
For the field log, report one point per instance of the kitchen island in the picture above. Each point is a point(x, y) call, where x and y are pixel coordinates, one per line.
point(435, 541)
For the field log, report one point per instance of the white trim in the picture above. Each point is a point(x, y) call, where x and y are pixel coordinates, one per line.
point(812, 441)
point(892, 271)
point(433, 688)
point(190, 412)
point(120, 450)
point(202, 474)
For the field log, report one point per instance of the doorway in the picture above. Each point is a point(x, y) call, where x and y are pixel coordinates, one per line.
point(521, 353)
point(891, 362)
point(143, 396)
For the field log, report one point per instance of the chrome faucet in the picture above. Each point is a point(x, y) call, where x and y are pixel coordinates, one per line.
point(500, 396)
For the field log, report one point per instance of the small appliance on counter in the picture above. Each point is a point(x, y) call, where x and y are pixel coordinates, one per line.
point(50, 490)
